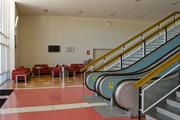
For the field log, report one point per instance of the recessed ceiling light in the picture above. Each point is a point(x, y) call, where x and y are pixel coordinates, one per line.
point(108, 23)
point(112, 14)
point(45, 10)
point(175, 3)
point(80, 12)
point(141, 16)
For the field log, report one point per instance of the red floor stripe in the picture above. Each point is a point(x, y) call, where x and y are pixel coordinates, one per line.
point(42, 97)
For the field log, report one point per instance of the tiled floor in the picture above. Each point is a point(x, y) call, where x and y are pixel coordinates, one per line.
point(46, 81)
point(70, 114)
point(51, 96)
point(58, 103)
point(51, 104)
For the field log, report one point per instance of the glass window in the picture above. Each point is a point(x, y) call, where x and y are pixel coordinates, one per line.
point(4, 40)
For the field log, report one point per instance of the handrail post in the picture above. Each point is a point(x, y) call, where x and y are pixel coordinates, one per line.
point(174, 18)
point(139, 112)
point(121, 62)
point(144, 48)
point(121, 57)
point(144, 45)
point(142, 37)
point(104, 61)
point(159, 27)
point(165, 35)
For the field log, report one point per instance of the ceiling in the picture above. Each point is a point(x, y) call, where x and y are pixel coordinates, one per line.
point(125, 9)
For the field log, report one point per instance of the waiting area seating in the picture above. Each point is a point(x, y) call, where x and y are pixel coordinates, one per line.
point(70, 70)
point(21, 73)
point(55, 71)
point(41, 69)
point(75, 67)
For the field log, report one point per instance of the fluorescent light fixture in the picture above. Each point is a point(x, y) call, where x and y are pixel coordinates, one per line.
point(45, 10)
point(112, 14)
point(16, 22)
point(80, 12)
point(175, 3)
point(108, 23)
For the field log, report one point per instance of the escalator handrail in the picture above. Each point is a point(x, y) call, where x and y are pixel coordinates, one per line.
point(157, 71)
point(128, 41)
point(114, 71)
point(136, 73)
point(135, 46)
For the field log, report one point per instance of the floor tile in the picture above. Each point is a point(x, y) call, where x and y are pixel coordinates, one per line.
point(42, 97)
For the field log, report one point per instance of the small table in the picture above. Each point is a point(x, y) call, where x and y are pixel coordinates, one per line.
point(39, 70)
point(25, 79)
point(71, 71)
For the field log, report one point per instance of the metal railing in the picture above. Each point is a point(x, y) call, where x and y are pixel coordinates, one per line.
point(154, 91)
point(132, 43)
point(135, 46)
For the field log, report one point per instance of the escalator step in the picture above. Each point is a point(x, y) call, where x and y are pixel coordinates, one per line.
point(2, 101)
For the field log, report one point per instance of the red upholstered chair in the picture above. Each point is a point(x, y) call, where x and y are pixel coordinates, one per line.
point(75, 68)
point(45, 69)
point(21, 71)
point(55, 71)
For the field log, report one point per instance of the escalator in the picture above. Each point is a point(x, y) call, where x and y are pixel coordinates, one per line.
point(106, 83)
point(127, 97)
point(135, 53)
point(137, 66)
point(114, 77)
point(159, 28)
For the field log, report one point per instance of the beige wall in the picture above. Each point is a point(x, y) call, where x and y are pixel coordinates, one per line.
point(37, 32)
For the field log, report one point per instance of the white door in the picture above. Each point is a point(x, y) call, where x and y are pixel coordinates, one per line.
point(99, 52)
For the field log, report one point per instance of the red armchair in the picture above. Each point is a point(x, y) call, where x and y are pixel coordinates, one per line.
point(56, 70)
point(44, 69)
point(26, 72)
point(75, 68)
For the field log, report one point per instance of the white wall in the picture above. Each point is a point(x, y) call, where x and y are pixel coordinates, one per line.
point(37, 32)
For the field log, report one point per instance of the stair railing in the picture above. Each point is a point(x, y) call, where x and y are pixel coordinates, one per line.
point(101, 61)
point(154, 91)
point(142, 42)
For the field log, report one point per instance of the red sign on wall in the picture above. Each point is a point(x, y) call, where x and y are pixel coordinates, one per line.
point(88, 52)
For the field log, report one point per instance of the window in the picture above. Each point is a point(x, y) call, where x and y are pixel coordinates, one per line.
point(4, 40)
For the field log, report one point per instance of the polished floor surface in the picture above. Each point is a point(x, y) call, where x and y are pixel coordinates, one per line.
point(51, 101)
point(45, 81)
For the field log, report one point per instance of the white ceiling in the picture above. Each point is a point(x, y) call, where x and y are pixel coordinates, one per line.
point(125, 9)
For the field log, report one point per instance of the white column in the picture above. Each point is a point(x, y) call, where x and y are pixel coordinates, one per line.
point(12, 36)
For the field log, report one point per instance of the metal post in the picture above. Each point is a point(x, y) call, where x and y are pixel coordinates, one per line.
point(174, 18)
point(39, 73)
point(159, 28)
point(142, 37)
point(122, 57)
point(25, 78)
point(144, 48)
point(179, 73)
point(62, 76)
point(104, 61)
point(52, 72)
point(165, 35)
point(112, 102)
point(139, 113)
point(121, 62)
point(16, 81)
